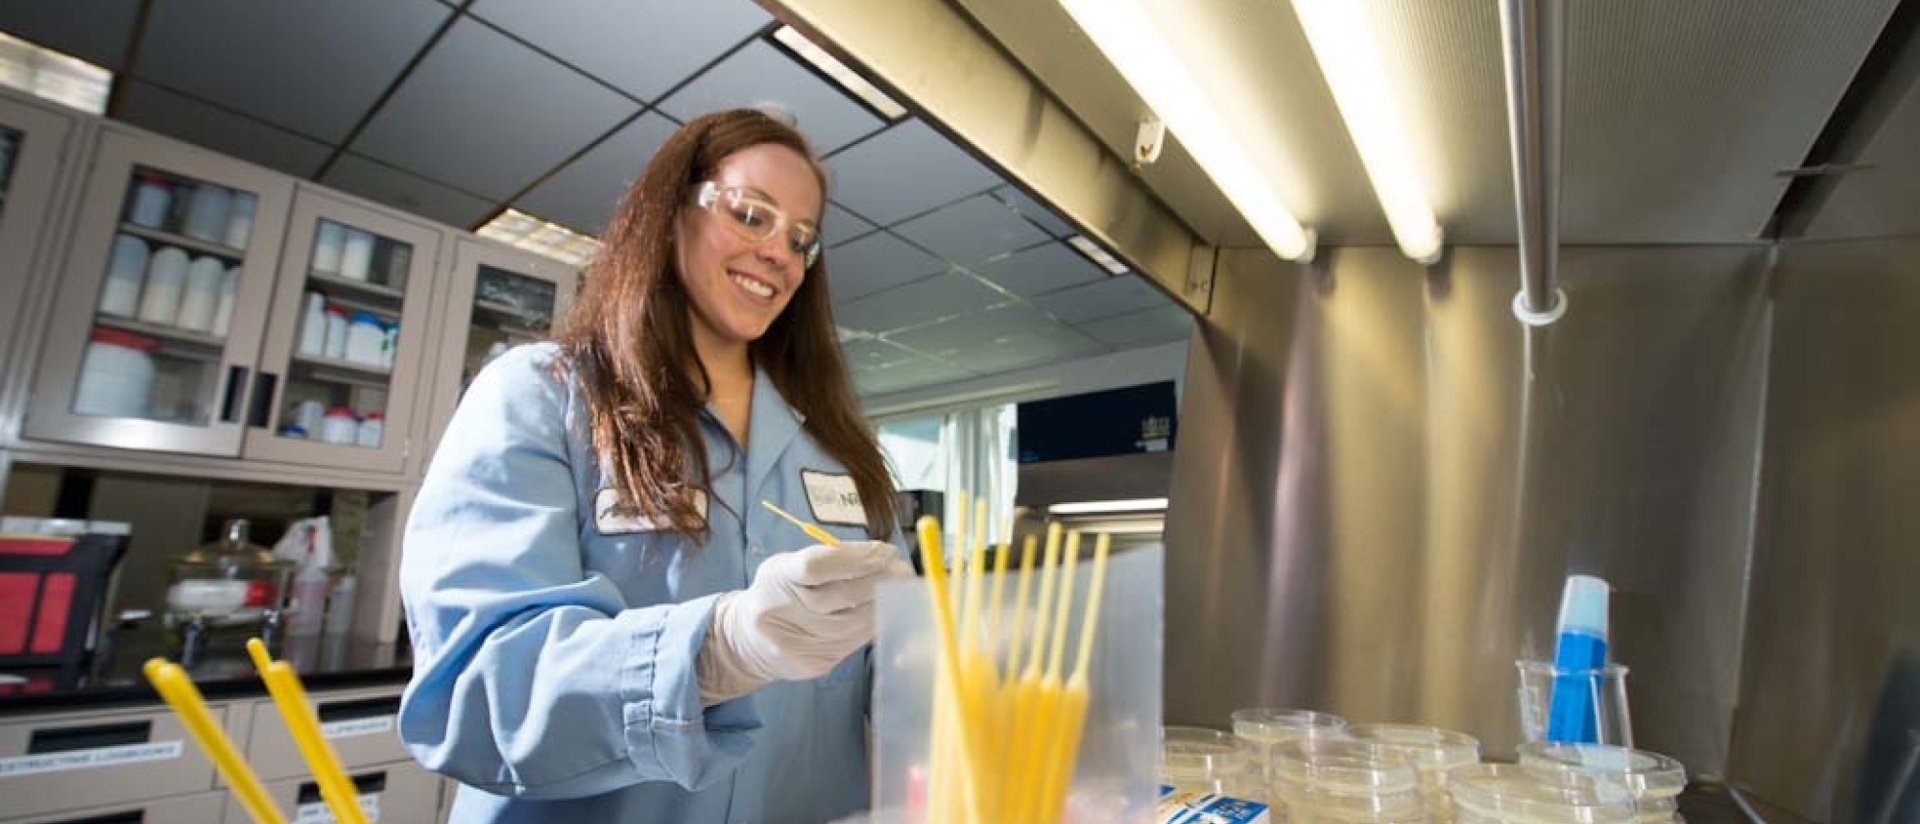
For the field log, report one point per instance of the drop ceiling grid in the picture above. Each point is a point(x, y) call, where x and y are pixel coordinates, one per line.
point(1678, 114)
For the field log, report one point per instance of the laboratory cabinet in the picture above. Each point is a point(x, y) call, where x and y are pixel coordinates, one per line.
point(35, 143)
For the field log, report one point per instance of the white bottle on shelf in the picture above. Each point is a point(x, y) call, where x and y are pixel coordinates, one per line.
point(126, 271)
point(309, 602)
point(371, 429)
point(365, 333)
point(313, 327)
point(339, 426)
point(208, 205)
point(223, 309)
point(166, 277)
point(356, 256)
point(336, 333)
point(326, 247)
point(202, 294)
point(340, 608)
point(152, 198)
point(240, 220)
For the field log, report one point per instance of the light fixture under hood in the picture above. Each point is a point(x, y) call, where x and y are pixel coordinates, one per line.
point(1131, 42)
point(1343, 44)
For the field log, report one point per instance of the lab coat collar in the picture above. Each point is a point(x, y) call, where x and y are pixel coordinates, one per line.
point(771, 426)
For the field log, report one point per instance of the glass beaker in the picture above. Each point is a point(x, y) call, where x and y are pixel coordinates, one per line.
point(1596, 705)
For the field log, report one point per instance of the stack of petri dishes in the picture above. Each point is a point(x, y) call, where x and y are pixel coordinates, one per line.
point(1510, 794)
point(1653, 781)
point(1341, 781)
point(1432, 750)
point(1203, 760)
point(1262, 729)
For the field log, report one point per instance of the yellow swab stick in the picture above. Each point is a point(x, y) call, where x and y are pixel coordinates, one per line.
point(813, 531)
point(929, 530)
point(1047, 716)
point(1019, 614)
point(1079, 689)
point(1026, 694)
point(291, 698)
point(177, 689)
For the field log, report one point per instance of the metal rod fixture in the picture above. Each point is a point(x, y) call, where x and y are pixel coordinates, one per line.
point(1532, 34)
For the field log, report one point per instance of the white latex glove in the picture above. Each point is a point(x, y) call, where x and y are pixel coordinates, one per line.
point(804, 612)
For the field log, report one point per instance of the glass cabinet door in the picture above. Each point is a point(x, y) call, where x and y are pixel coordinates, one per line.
point(497, 298)
point(33, 142)
point(161, 309)
point(340, 371)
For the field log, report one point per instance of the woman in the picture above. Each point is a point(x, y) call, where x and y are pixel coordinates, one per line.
point(605, 624)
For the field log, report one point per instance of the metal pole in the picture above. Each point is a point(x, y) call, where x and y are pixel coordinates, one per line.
point(1532, 35)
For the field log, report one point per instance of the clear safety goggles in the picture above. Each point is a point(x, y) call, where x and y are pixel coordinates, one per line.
point(757, 220)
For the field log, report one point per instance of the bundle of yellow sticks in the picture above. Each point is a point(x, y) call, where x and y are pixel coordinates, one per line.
point(1006, 725)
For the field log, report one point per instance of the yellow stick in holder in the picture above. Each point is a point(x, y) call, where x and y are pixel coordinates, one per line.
point(813, 531)
point(177, 689)
point(284, 684)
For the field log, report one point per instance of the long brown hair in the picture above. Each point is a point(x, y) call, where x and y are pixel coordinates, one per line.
point(629, 342)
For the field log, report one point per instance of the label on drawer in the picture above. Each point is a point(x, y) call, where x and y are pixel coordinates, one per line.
point(89, 759)
point(357, 726)
point(317, 812)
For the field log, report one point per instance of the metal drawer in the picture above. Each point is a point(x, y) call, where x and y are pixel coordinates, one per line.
point(53, 763)
point(401, 792)
point(199, 808)
point(362, 726)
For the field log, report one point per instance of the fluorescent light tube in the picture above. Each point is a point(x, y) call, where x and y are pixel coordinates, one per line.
point(1133, 45)
point(1102, 507)
point(54, 76)
point(524, 231)
point(840, 72)
point(1343, 43)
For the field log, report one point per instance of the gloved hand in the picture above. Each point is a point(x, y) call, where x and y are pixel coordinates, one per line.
point(804, 612)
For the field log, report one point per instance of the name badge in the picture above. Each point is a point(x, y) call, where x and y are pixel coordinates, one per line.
point(610, 518)
point(834, 499)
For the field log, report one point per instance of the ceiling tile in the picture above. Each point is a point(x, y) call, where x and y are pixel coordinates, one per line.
point(1113, 296)
point(1040, 270)
point(841, 225)
point(582, 196)
point(195, 122)
point(1032, 210)
point(96, 31)
point(488, 114)
point(864, 355)
point(1143, 328)
point(908, 374)
point(315, 68)
point(875, 262)
point(971, 230)
point(406, 192)
point(869, 177)
point(1006, 337)
point(761, 74)
point(642, 47)
point(915, 303)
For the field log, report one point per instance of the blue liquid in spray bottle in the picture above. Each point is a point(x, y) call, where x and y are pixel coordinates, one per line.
point(1581, 648)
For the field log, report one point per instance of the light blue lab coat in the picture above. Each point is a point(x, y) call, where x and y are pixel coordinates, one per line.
point(554, 664)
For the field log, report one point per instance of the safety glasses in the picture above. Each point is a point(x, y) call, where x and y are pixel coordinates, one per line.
point(757, 220)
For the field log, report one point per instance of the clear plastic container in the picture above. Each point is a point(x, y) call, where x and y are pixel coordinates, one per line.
point(1263, 728)
point(200, 299)
point(1508, 794)
point(1432, 750)
point(166, 279)
point(208, 207)
point(1653, 780)
point(1339, 779)
point(327, 246)
point(1204, 760)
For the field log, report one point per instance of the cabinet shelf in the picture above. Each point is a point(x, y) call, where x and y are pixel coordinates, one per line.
point(338, 284)
point(177, 342)
point(194, 244)
point(335, 370)
point(511, 318)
